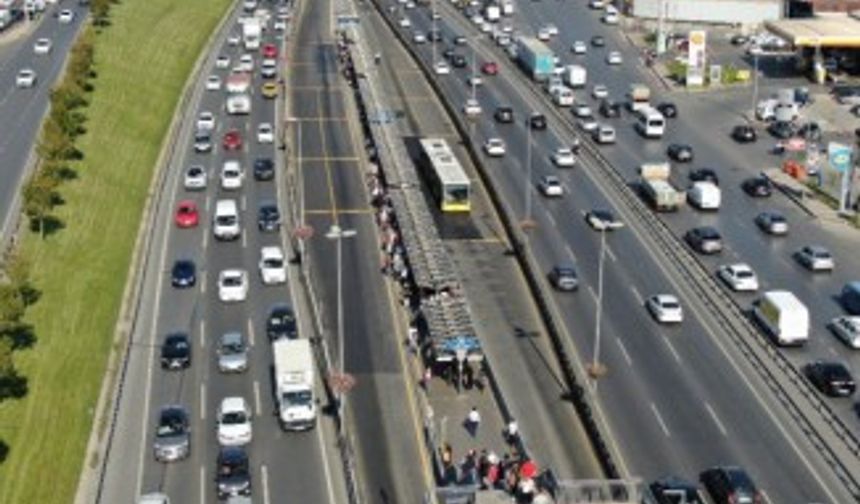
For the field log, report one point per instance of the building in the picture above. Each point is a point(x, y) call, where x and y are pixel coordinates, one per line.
point(828, 5)
point(732, 12)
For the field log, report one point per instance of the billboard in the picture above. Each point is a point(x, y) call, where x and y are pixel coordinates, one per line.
point(696, 58)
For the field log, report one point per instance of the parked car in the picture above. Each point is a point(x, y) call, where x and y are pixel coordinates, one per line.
point(831, 378)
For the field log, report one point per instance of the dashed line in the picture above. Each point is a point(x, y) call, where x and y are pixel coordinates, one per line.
point(624, 351)
point(257, 404)
point(636, 293)
point(570, 252)
point(610, 253)
point(203, 401)
point(202, 333)
point(264, 479)
point(551, 220)
point(205, 239)
point(203, 283)
point(250, 332)
point(244, 201)
point(244, 239)
point(591, 291)
point(202, 484)
point(715, 418)
point(660, 420)
point(672, 350)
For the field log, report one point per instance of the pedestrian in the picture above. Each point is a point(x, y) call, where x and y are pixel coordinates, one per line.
point(512, 432)
point(412, 339)
point(425, 380)
point(473, 421)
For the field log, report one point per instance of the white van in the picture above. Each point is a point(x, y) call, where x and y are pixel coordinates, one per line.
point(562, 96)
point(705, 196)
point(783, 316)
point(650, 123)
point(225, 222)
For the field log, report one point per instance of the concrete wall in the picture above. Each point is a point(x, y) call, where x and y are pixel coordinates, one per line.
point(711, 11)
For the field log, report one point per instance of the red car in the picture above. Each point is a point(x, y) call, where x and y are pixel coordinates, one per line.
point(232, 140)
point(187, 215)
point(490, 68)
point(269, 51)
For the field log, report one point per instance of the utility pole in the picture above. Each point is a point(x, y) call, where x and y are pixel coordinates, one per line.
point(336, 233)
point(597, 369)
point(755, 83)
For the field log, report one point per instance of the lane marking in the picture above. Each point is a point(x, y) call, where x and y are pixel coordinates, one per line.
point(551, 219)
point(244, 239)
point(329, 178)
point(660, 420)
point(202, 484)
point(244, 203)
point(203, 401)
point(569, 251)
point(257, 404)
point(636, 293)
point(672, 350)
point(203, 283)
point(591, 291)
point(351, 211)
point(202, 333)
point(610, 254)
point(264, 479)
point(624, 351)
point(715, 418)
point(250, 332)
point(205, 239)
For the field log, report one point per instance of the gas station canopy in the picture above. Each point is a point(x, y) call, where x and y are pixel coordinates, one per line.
point(832, 30)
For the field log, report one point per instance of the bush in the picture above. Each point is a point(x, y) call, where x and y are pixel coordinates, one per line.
point(677, 70)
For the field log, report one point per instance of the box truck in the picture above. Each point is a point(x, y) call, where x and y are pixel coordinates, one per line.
point(535, 58)
point(639, 97)
point(574, 76)
point(252, 31)
point(783, 317)
point(656, 188)
point(294, 383)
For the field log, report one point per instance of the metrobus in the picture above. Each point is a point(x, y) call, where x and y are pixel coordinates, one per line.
point(650, 123)
point(448, 181)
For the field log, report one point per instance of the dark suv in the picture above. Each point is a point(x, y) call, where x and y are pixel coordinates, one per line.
point(757, 187)
point(730, 485)
point(282, 323)
point(537, 122)
point(674, 490)
point(610, 109)
point(705, 240)
point(504, 115)
point(264, 169)
point(831, 378)
point(232, 474)
point(268, 217)
point(176, 352)
point(564, 278)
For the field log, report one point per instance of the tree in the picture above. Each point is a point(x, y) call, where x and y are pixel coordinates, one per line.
point(11, 304)
point(17, 270)
point(54, 143)
point(100, 10)
point(39, 200)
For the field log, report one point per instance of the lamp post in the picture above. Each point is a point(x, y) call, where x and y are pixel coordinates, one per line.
point(597, 369)
point(338, 234)
point(474, 69)
point(755, 83)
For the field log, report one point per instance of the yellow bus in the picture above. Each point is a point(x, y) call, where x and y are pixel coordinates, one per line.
point(448, 181)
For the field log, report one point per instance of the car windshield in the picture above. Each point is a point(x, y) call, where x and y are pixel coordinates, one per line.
point(821, 254)
point(298, 398)
point(281, 319)
point(603, 215)
point(225, 220)
point(273, 263)
point(232, 281)
point(234, 466)
point(172, 423)
point(234, 418)
point(743, 274)
point(670, 305)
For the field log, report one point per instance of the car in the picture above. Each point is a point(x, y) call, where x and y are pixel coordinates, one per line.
point(599, 92)
point(744, 133)
point(42, 46)
point(730, 484)
point(563, 278)
point(665, 308)
point(269, 68)
point(551, 29)
point(268, 217)
point(811, 131)
point(490, 68)
point(579, 47)
point(213, 83)
point(563, 157)
point(472, 108)
point(613, 58)
point(551, 186)
point(269, 90)
point(675, 490)
point(681, 153)
point(222, 61)
point(602, 220)
point(264, 169)
point(232, 285)
point(183, 274)
point(588, 124)
point(273, 265)
point(704, 175)
point(26, 78)
point(232, 353)
point(815, 258)
point(234, 39)
point(232, 473)
point(265, 133)
point(475, 80)
point(195, 178)
point(537, 122)
point(419, 38)
point(668, 109)
point(603, 134)
point(459, 61)
point(704, 240)
point(205, 121)
point(66, 16)
point(581, 110)
point(269, 51)
point(610, 18)
point(232, 140)
point(234, 422)
point(781, 130)
point(246, 63)
point(441, 68)
point(405, 22)
point(610, 109)
point(187, 215)
point(494, 147)
point(202, 141)
point(231, 175)
point(847, 329)
point(757, 187)
point(773, 223)
point(739, 39)
point(281, 323)
point(740, 277)
point(172, 434)
point(544, 35)
point(831, 378)
point(176, 351)
point(504, 115)
point(280, 25)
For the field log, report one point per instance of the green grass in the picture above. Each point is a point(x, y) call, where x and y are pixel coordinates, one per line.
point(143, 61)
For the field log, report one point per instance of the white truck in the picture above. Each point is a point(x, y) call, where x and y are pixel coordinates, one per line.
point(783, 317)
point(508, 7)
point(252, 32)
point(705, 196)
point(575, 76)
point(656, 188)
point(639, 97)
point(294, 383)
point(492, 12)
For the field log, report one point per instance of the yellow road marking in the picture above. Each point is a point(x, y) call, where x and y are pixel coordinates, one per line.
point(345, 211)
point(327, 167)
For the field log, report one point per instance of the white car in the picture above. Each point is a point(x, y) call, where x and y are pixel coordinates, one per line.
point(597, 4)
point(234, 422)
point(419, 38)
point(582, 110)
point(551, 186)
point(602, 220)
point(206, 121)
point(231, 175)
point(551, 29)
point(603, 134)
point(405, 22)
point(486, 27)
point(475, 80)
point(195, 178)
point(610, 18)
point(588, 124)
point(442, 68)
point(579, 47)
point(222, 62)
point(26, 78)
point(265, 133)
point(472, 108)
point(563, 157)
point(232, 285)
point(495, 147)
point(815, 258)
point(246, 63)
point(42, 46)
point(543, 35)
point(599, 91)
point(66, 16)
point(213, 83)
point(739, 277)
point(478, 19)
point(665, 308)
point(273, 268)
point(613, 58)
point(153, 498)
point(847, 329)
point(280, 25)
point(234, 39)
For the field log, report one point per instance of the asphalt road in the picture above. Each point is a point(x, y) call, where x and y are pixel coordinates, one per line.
point(677, 399)
point(304, 465)
point(22, 110)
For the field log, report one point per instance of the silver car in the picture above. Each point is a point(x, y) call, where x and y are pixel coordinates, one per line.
point(232, 353)
point(172, 436)
point(815, 258)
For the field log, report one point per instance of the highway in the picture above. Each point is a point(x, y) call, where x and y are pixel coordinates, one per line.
point(22, 110)
point(300, 466)
point(678, 400)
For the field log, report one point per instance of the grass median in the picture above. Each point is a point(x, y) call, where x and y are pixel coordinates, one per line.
point(143, 60)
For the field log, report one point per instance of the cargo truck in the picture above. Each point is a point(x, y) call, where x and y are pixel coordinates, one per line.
point(535, 58)
point(294, 383)
point(252, 31)
point(574, 76)
point(639, 97)
point(656, 188)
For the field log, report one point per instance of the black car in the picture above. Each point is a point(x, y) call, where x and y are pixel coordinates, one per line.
point(264, 169)
point(744, 133)
point(811, 131)
point(202, 141)
point(537, 122)
point(598, 41)
point(781, 130)
point(435, 36)
point(504, 115)
point(681, 153)
point(183, 274)
point(282, 323)
point(176, 351)
point(668, 109)
point(757, 187)
point(832, 379)
point(564, 278)
point(232, 473)
point(610, 109)
point(268, 217)
point(459, 61)
point(739, 39)
point(704, 175)
point(448, 53)
point(704, 240)
point(460, 40)
point(674, 490)
point(730, 484)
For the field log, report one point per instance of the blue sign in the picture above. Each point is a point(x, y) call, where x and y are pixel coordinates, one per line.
point(467, 343)
point(839, 156)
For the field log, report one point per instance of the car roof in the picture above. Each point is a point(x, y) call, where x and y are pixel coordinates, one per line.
point(271, 251)
point(234, 403)
point(666, 298)
point(231, 337)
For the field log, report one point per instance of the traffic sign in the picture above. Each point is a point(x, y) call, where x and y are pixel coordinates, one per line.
point(341, 382)
point(839, 156)
point(303, 232)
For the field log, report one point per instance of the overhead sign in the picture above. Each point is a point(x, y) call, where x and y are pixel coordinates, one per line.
point(839, 156)
point(696, 58)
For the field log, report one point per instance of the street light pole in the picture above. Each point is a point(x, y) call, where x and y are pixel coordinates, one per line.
point(597, 368)
point(755, 83)
point(338, 234)
point(300, 182)
point(528, 185)
point(474, 51)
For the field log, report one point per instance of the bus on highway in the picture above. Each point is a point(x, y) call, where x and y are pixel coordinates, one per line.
point(650, 123)
point(448, 181)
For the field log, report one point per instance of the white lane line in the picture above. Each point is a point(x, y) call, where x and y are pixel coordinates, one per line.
point(205, 239)
point(257, 404)
point(264, 479)
point(244, 203)
point(610, 253)
point(551, 219)
point(636, 293)
point(715, 418)
point(203, 283)
point(207, 203)
point(244, 239)
point(570, 252)
point(624, 351)
point(833, 351)
point(202, 484)
point(660, 420)
point(202, 333)
point(203, 401)
point(765, 497)
point(672, 350)
point(250, 332)
point(593, 294)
